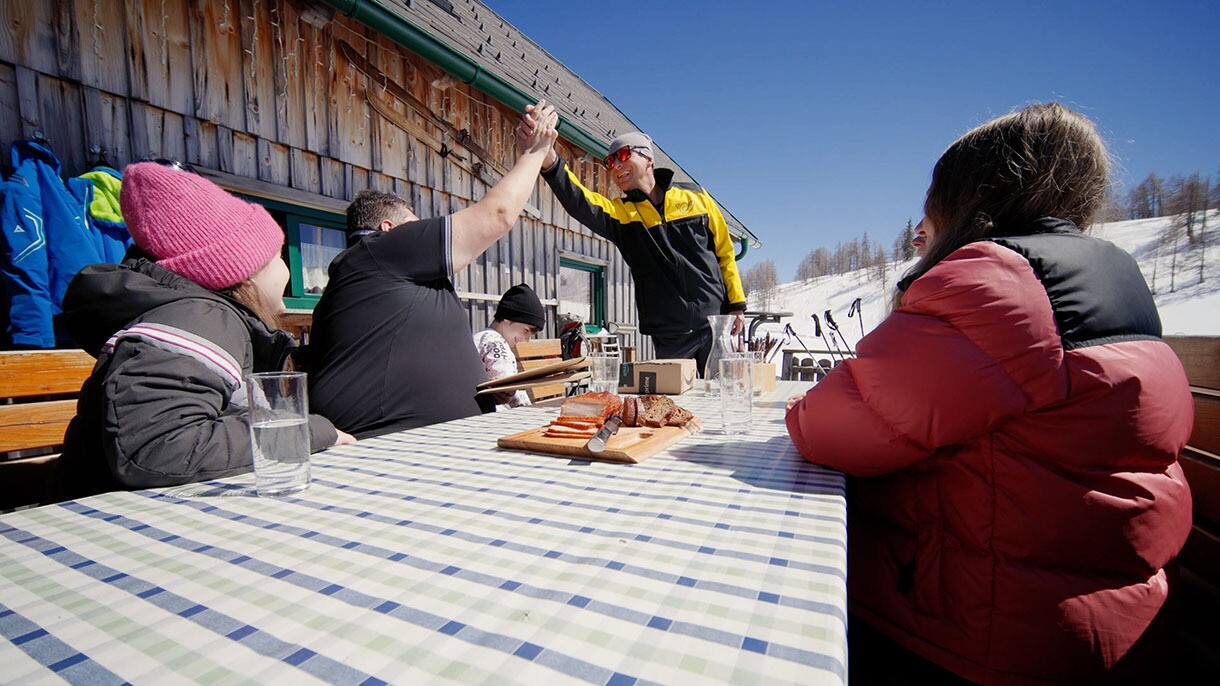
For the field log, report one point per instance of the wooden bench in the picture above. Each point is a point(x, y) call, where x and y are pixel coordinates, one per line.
point(1199, 562)
point(38, 392)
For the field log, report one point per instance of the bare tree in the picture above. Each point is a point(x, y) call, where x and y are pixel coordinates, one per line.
point(760, 281)
point(815, 264)
point(881, 265)
point(1144, 201)
point(822, 261)
point(1173, 262)
point(1187, 198)
point(1207, 192)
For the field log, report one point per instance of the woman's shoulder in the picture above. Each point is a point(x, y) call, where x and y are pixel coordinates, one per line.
point(992, 296)
point(976, 278)
point(210, 320)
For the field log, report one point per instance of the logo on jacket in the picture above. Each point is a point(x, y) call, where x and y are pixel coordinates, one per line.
point(40, 238)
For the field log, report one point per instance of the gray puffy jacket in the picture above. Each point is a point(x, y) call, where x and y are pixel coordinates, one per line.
point(166, 403)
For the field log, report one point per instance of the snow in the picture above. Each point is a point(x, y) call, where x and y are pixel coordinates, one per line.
point(1186, 305)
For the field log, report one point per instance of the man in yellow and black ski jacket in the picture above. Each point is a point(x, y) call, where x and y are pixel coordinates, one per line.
point(673, 238)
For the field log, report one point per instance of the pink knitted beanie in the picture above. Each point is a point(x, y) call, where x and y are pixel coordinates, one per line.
point(194, 228)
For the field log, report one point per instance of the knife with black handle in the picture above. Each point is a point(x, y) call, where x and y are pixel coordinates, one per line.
point(598, 442)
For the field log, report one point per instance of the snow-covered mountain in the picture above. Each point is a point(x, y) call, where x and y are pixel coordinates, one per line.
point(1187, 305)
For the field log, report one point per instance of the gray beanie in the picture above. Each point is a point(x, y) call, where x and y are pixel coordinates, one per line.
point(633, 139)
point(521, 304)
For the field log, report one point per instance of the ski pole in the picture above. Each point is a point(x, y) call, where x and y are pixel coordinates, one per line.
point(834, 330)
point(855, 309)
point(817, 330)
point(789, 331)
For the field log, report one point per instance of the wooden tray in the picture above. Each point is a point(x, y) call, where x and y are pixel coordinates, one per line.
point(630, 444)
point(561, 378)
point(535, 373)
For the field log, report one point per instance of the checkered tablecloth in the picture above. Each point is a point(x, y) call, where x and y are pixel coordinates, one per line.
point(432, 555)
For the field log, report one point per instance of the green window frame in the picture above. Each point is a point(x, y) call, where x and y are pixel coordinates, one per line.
point(292, 217)
point(597, 287)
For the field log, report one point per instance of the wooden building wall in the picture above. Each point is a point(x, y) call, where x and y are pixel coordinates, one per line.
point(253, 89)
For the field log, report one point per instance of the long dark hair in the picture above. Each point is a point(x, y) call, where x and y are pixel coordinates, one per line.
point(1044, 160)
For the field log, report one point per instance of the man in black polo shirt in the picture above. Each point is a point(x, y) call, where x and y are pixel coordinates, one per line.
point(391, 347)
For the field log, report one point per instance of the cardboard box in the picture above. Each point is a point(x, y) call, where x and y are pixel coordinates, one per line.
point(667, 377)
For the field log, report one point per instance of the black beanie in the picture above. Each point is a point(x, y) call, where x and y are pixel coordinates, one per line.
point(521, 304)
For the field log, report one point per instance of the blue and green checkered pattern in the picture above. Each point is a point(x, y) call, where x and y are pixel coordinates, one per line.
point(432, 556)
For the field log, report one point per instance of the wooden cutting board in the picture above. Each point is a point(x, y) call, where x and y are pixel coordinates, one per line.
point(630, 444)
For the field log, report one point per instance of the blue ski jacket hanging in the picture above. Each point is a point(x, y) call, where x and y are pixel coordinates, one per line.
point(47, 240)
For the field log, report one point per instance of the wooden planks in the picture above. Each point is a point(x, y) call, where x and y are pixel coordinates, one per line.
point(215, 34)
point(37, 374)
point(1206, 432)
point(1200, 356)
point(540, 353)
point(43, 372)
point(1199, 595)
point(34, 425)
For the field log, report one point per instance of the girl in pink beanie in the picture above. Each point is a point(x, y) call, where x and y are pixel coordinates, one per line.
point(192, 309)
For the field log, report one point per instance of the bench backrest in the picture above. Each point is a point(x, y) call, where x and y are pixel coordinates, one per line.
point(39, 389)
point(1199, 562)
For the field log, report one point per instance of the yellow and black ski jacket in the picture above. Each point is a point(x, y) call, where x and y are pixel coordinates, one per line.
point(681, 257)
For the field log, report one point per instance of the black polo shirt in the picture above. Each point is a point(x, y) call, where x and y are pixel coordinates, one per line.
point(390, 346)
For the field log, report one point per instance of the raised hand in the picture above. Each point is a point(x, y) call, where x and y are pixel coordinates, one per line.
point(538, 128)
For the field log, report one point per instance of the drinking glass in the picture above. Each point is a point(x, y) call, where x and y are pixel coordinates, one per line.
point(604, 370)
point(722, 346)
point(279, 431)
point(736, 393)
point(755, 356)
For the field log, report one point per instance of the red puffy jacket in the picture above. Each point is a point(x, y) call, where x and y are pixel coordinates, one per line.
point(1020, 420)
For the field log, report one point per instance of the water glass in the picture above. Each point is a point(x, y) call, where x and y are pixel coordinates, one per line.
point(736, 393)
point(279, 431)
point(756, 356)
point(604, 370)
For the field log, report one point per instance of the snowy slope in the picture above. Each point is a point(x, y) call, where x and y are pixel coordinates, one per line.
point(1190, 308)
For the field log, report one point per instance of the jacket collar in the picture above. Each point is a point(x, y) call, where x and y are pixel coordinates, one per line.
point(664, 177)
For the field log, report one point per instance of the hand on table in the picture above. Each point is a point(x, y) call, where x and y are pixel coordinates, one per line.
point(344, 438)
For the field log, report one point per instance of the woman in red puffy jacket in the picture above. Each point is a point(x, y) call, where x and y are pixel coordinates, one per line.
point(1016, 421)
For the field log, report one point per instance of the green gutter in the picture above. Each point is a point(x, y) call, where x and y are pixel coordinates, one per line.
point(406, 34)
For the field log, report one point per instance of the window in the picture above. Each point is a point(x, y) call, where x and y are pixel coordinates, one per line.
point(582, 291)
point(314, 238)
point(319, 245)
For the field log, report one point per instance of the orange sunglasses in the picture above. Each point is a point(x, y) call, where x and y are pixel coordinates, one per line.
point(622, 155)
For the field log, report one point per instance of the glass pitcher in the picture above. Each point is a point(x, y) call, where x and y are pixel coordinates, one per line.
point(722, 346)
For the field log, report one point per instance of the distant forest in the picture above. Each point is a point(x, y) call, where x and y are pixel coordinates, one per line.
point(1186, 197)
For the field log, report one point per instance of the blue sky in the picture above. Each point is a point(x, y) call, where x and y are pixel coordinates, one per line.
point(817, 121)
